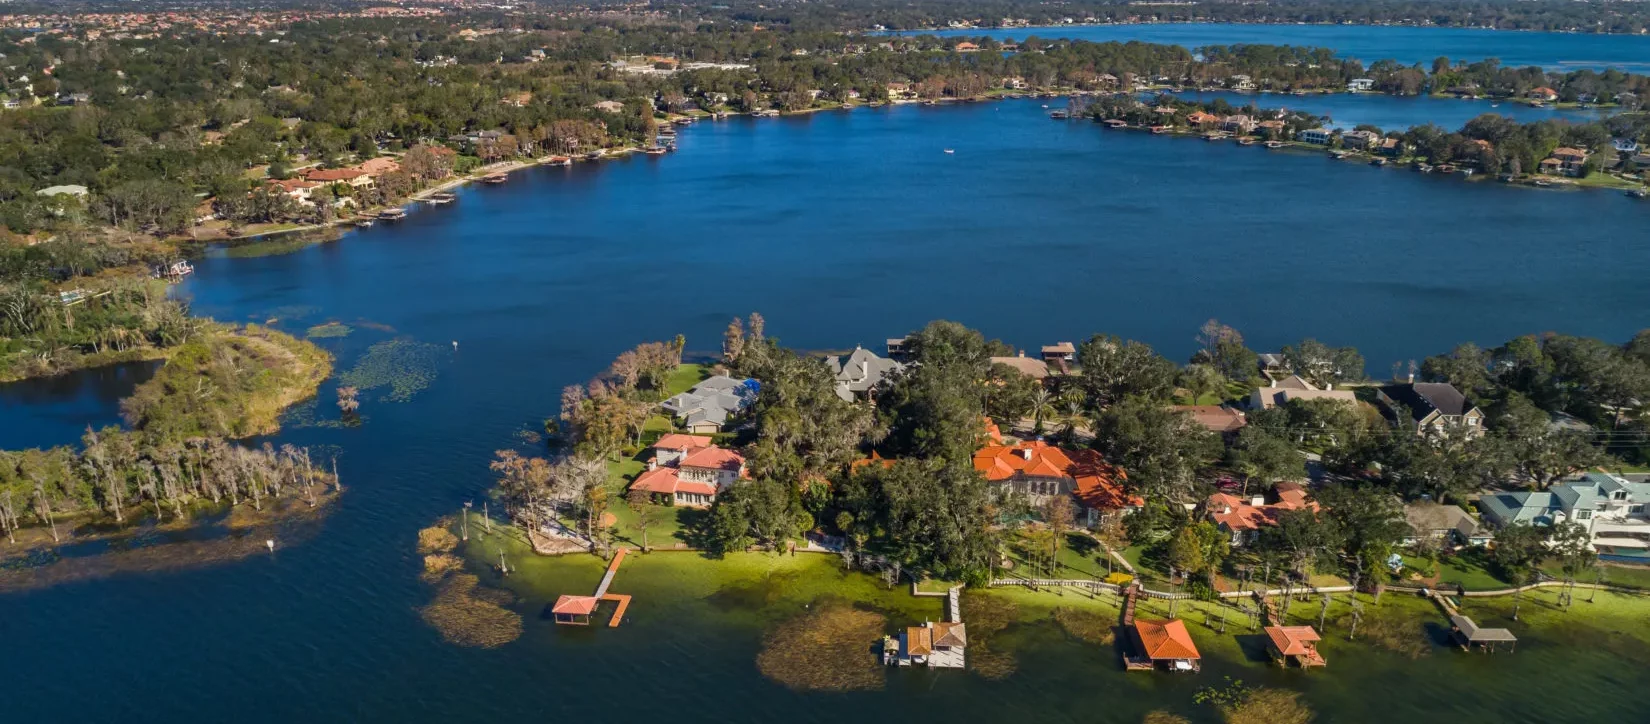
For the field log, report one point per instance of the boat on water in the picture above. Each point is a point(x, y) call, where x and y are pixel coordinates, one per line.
point(1377, 162)
point(495, 178)
point(364, 223)
point(655, 151)
point(392, 214)
point(950, 150)
point(1543, 183)
point(593, 156)
point(441, 198)
point(1445, 168)
point(683, 121)
point(560, 161)
point(1058, 115)
point(1638, 193)
point(1274, 144)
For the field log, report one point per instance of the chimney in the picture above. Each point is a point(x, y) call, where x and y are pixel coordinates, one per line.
point(864, 369)
point(1329, 386)
point(1257, 501)
point(1025, 453)
point(1412, 378)
point(1022, 353)
point(653, 463)
point(1272, 382)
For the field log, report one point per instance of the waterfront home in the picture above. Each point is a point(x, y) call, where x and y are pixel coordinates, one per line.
point(967, 47)
point(1273, 128)
point(1429, 407)
point(1105, 80)
point(1610, 507)
point(694, 479)
point(351, 176)
point(1215, 418)
point(1317, 136)
point(1162, 645)
point(1360, 85)
point(1360, 140)
point(1239, 124)
point(1040, 471)
point(1242, 519)
point(707, 407)
point(297, 189)
point(1294, 387)
point(671, 448)
point(1391, 147)
point(1543, 94)
point(1029, 366)
point(1625, 145)
point(860, 373)
point(1014, 83)
point(378, 166)
point(1448, 524)
point(1296, 645)
point(1199, 118)
point(1566, 161)
point(1241, 83)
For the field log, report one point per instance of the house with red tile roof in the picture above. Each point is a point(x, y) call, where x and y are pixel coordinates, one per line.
point(353, 176)
point(1041, 471)
point(1199, 118)
point(1243, 518)
point(1217, 418)
point(683, 472)
point(379, 166)
point(1543, 94)
point(298, 189)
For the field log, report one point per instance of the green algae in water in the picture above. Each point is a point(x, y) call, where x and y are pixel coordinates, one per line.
point(330, 330)
point(280, 245)
point(826, 649)
point(404, 366)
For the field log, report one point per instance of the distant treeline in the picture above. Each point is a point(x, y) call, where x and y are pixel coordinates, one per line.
point(1559, 15)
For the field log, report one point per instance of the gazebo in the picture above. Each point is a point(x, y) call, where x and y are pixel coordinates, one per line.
point(1294, 645)
point(574, 610)
point(1165, 644)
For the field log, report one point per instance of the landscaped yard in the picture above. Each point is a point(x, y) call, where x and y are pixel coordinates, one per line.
point(684, 378)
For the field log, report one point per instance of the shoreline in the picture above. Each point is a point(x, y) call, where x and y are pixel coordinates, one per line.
point(1416, 26)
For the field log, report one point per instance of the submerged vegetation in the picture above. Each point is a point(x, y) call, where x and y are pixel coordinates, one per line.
point(404, 366)
point(825, 649)
point(330, 330)
point(465, 612)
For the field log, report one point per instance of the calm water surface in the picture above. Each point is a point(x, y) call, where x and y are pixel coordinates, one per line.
point(57, 410)
point(840, 228)
point(1557, 51)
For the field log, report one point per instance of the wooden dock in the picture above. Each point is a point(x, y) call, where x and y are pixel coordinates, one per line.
point(576, 610)
point(1128, 605)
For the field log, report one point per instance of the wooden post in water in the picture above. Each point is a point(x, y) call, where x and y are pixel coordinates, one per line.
point(464, 522)
point(486, 518)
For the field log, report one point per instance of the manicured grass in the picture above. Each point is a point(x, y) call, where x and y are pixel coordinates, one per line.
point(684, 378)
point(1468, 570)
point(1615, 575)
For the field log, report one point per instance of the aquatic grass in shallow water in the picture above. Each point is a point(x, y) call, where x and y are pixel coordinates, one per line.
point(1087, 626)
point(467, 615)
point(330, 330)
point(986, 616)
point(826, 649)
point(404, 366)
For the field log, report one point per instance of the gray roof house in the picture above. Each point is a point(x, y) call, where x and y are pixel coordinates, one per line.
point(1435, 521)
point(1431, 406)
point(707, 407)
point(860, 372)
point(1610, 507)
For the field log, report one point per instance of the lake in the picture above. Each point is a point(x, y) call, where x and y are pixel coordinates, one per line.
point(57, 410)
point(1407, 45)
point(841, 228)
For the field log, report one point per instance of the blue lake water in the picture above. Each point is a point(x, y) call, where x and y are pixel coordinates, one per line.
point(841, 228)
point(1555, 51)
point(57, 410)
point(1393, 112)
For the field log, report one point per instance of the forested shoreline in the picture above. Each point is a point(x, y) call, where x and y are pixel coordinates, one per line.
point(160, 137)
point(894, 476)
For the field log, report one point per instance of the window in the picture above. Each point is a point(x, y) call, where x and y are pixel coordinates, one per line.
point(1619, 495)
point(1584, 514)
point(1636, 508)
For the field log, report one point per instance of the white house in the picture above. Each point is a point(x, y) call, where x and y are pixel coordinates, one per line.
point(1610, 507)
point(1319, 136)
point(1360, 85)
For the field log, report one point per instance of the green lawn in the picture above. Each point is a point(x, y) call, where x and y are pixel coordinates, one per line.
point(1616, 575)
point(1468, 570)
point(684, 378)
